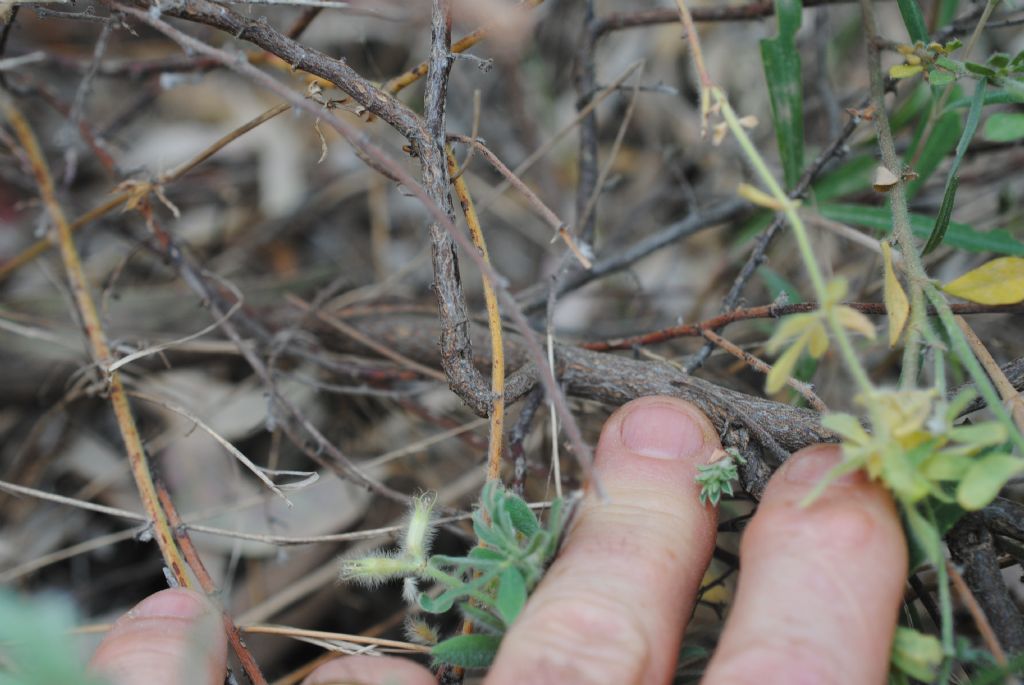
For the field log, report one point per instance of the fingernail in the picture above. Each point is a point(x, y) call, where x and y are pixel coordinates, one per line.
point(174, 603)
point(810, 466)
point(661, 431)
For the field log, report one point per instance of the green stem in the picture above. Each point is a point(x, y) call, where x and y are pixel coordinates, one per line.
point(803, 240)
point(963, 351)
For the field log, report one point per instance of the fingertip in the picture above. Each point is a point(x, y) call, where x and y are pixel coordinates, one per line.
point(662, 428)
point(171, 637)
point(171, 603)
point(821, 582)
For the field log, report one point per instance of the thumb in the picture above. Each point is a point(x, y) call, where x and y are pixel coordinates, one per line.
point(170, 638)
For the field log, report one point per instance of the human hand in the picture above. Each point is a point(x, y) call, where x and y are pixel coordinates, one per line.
point(817, 603)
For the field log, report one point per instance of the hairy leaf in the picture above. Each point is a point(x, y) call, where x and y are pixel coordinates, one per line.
point(467, 651)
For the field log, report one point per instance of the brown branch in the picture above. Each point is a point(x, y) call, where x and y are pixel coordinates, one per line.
point(465, 380)
point(770, 311)
point(245, 657)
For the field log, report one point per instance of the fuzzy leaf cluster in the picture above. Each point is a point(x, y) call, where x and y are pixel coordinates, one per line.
point(490, 584)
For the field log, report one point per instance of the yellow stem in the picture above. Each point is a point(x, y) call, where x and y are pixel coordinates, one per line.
point(99, 346)
point(497, 415)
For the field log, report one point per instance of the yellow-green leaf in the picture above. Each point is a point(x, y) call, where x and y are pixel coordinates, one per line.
point(817, 340)
point(853, 320)
point(896, 303)
point(916, 654)
point(1000, 281)
point(790, 327)
point(985, 479)
point(905, 70)
point(783, 367)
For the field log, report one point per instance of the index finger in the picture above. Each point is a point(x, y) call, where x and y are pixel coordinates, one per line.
point(613, 606)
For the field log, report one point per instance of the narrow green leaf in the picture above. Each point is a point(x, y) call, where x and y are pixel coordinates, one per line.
point(1003, 127)
point(980, 69)
point(511, 594)
point(467, 651)
point(957, 235)
point(985, 479)
point(992, 97)
point(943, 217)
point(953, 180)
point(914, 20)
point(782, 70)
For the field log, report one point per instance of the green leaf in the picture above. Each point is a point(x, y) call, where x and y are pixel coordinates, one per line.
point(916, 654)
point(924, 536)
point(467, 651)
point(998, 60)
point(980, 69)
point(439, 605)
point(1003, 127)
point(952, 179)
point(939, 77)
point(914, 20)
point(944, 215)
point(484, 554)
point(854, 176)
point(483, 620)
point(782, 70)
point(957, 235)
point(985, 479)
point(523, 518)
point(34, 635)
point(511, 594)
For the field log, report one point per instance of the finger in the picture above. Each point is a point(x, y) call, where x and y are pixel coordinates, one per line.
point(169, 638)
point(370, 670)
point(613, 606)
point(820, 586)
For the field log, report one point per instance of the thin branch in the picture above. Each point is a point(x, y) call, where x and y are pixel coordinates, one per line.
point(805, 389)
point(100, 349)
point(771, 311)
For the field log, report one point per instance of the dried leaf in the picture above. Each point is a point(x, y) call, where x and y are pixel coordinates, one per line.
point(1000, 281)
point(884, 179)
point(896, 303)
